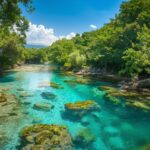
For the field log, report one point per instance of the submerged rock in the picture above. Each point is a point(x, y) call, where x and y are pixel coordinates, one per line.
point(84, 138)
point(78, 81)
point(37, 120)
point(138, 105)
point(46, 137)
point(20, 89)
point(132, 98)
point(3, 139)
point(123, 93)
point(23, 94)
point(116, 143)
point(43, 106)
point(48, 95)
point(81, 108)
point(3, 98)
point(55, 85)
point(145, 147)
point(111, 131)
point(50, 84)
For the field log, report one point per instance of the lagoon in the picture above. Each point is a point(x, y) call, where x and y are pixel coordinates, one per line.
point(111, 128)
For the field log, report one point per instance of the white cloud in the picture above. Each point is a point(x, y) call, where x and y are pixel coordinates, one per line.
point(40, 35)
point(94, 27)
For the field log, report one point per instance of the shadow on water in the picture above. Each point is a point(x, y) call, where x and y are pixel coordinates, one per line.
point(7, 77)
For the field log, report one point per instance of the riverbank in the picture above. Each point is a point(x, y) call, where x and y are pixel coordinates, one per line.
point(123, 82)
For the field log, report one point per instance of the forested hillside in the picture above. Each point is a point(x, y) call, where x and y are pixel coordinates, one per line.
point(122, 45)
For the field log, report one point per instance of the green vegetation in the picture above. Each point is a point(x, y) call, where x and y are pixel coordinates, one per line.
point(12, 32)
point(121, 46)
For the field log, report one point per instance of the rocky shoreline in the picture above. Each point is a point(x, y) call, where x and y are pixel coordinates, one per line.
point(124, 82)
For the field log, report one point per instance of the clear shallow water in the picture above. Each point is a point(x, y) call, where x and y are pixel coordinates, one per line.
point(114, 127)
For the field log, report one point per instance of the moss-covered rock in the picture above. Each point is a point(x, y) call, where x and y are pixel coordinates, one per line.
point(123, 93)
point(81, 108)
point(82, 105)
point(46, 137)
point(113, 100)
point(55, 85)
point(132, 98)
point(138, 105)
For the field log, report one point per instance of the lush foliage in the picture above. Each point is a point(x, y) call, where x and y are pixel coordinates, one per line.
point(12, 31)
point(122, 45)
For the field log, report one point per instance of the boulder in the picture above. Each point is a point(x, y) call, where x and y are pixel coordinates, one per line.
point(45, 137)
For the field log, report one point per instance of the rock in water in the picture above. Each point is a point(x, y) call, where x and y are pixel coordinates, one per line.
point(46, 137)
point(84, 138)
point(81, 108)
point(48, 95)
point(43, 106)
point(82, 105)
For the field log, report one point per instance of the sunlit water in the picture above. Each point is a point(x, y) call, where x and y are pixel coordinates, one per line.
point(114, 127)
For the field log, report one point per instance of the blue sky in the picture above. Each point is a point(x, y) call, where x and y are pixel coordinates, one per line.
point(66, 16)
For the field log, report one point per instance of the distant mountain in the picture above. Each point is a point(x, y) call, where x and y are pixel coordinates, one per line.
point(35, 46)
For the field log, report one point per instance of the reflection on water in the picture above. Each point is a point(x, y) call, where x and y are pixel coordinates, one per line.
point(110, 128)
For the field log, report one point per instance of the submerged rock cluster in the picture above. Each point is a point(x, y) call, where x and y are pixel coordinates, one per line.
point(132, 98)
point(46, 137)
point(81, 108)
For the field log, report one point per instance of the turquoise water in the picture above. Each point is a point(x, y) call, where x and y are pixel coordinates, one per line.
point(114, 127)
